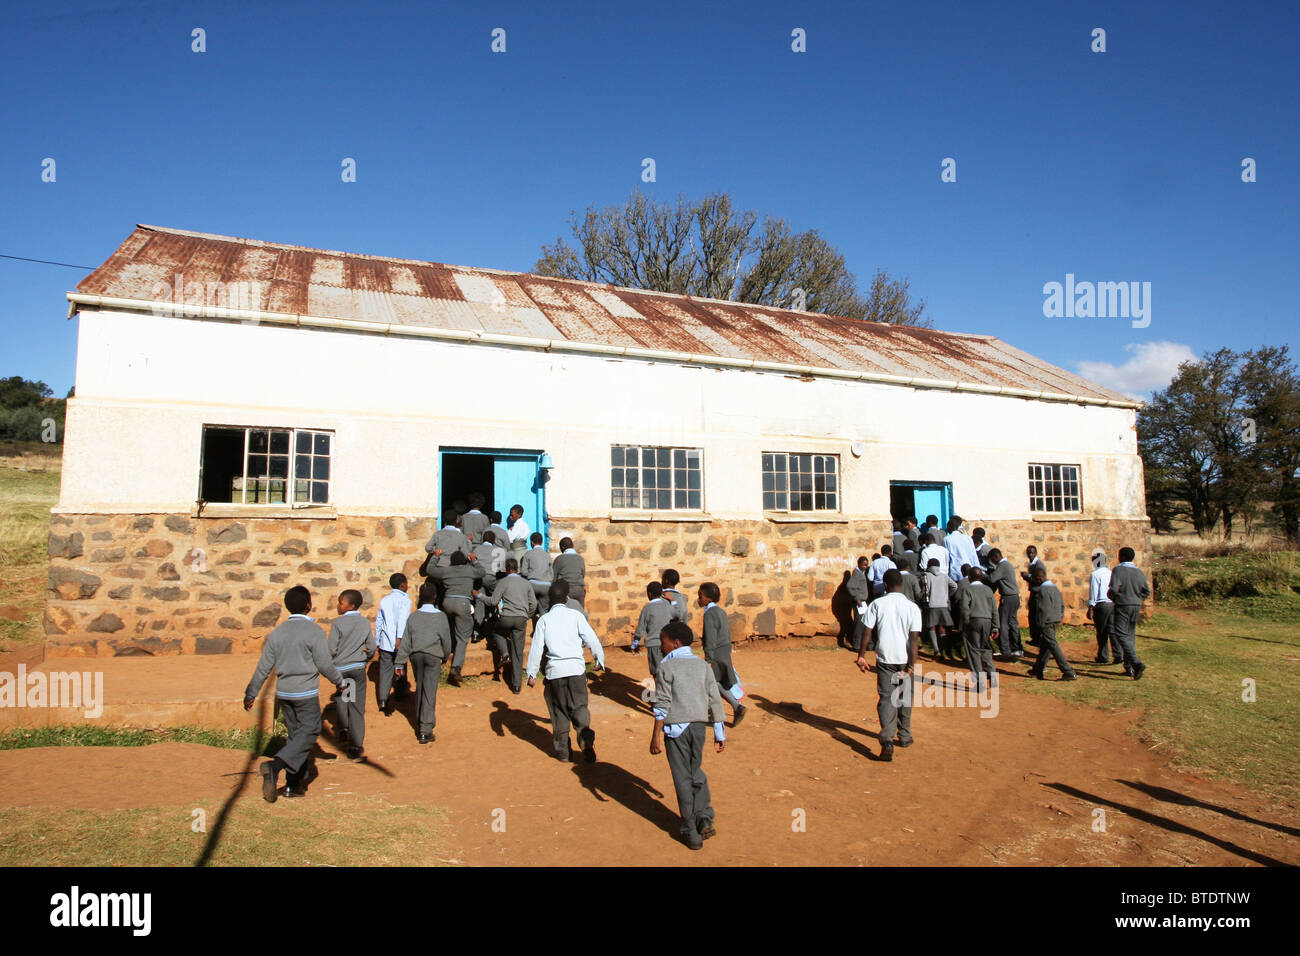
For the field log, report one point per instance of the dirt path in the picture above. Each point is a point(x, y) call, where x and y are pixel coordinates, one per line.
point(1021, 788)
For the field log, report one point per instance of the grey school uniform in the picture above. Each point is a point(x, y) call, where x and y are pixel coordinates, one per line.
point(859, 589)
point(681, 608)
point(502, 536)
point(654, 616)
point(351, 644)
point(687, 693)
point(460, 581)
point(716, 644)
point(570, 568)
point(938, 592)
point(1047, 613)
point(516, 603)
point(446, 540)
point(535, 568)
point(473, 524)
point(1128, 589)
point(426, 642)
point(296, 651)
point(1002, 579)
point(979, 610)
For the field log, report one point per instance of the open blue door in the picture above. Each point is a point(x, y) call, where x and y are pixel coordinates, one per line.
point(929, 501)
point(517, 480)
point(927, 498)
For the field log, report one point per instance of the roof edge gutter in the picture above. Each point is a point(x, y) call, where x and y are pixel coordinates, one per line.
point(249, 316)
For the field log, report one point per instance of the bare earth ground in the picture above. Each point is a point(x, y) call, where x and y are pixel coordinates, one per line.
point(1018, 789)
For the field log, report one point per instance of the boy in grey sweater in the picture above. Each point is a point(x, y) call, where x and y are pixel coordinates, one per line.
point(515, 604)
point(656, 613)
point(351, 645)
point(716, 644)
point(1047, 612)
point(296, 651)
point(681, 607)
point(572, 570)
point(1128, 589)
point(686, 698)
point(426, 643)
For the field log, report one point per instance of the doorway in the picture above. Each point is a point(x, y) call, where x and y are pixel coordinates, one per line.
point(505, 477)
point(919, 499)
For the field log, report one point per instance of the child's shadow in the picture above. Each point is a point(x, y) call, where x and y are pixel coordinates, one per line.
point(794, 712)
point(527, 727)
point(621, 786)
point(619, 688)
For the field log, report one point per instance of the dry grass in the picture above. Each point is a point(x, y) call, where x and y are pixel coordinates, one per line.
point(29, 487)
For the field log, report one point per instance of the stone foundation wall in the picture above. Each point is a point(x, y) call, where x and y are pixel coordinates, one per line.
point(172, 584)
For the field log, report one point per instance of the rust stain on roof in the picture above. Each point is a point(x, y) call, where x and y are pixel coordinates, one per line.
point(297, 280)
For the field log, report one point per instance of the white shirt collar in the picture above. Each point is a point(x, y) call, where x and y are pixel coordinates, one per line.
point(353, 611)
point(570, 550)
point(303, 616)
point(431, 608)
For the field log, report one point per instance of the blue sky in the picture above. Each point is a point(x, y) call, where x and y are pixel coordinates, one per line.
point(1115, 166)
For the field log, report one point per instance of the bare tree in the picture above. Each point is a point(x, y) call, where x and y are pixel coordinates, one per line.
point(711, 249)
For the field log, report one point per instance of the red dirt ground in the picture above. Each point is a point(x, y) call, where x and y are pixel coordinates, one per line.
point(1019, 789)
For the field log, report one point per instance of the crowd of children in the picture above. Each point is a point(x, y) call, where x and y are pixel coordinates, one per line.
point(482, 583)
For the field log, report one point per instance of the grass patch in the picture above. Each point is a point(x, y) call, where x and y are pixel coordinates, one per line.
point(1191, 696)
point(321, 830)
point(27, 492)
point(87, 735)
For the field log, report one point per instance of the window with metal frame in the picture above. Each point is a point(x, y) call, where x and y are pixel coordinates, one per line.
point(1054, 489)
point(656, 479)
point(249, 465)
point(794, 481)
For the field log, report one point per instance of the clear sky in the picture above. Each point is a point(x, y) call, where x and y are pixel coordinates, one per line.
point(1117, 166)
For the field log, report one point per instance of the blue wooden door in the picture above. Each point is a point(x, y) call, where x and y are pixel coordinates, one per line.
point(517, 481)
point(928, 501)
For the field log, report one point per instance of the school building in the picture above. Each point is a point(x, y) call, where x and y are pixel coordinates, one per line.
point(250, 415)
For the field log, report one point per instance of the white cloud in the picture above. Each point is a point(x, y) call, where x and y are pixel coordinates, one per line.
point(1150, 366)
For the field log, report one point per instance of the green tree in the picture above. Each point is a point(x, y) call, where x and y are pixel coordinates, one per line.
point(1271, 417)
point(17, 392)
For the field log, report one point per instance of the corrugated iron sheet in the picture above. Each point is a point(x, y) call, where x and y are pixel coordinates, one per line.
point(299, 280)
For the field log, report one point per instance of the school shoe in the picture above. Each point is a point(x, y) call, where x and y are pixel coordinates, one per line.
point(708, 831)
point(887, 753)
point(289, 793)
point(740, 715)
point(1101, 660)
point(1035, 672)
point(1139, 671)
point(424, 738)
point(693, 841)
point(355, 754)
point(900, 743)
point(1070, 676)
point(453, 678)
point(269, 787)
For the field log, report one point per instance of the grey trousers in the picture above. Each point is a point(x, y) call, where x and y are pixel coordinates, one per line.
point(979, 648)
point(508, 643)
point(542, 590)
point(1047, 646)
point(895, 705)
point(566, 700)
point(302, 721)
point(685, 755)
point(579, 593)
point(384, 687)
point(653, 655)
point(352, 714)
point(1103, 616)
point(460, 615)
point(1123, 628)
point(1008, 627)
point(428, 670)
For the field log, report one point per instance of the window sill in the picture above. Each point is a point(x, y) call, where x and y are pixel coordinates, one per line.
point(681, 516)
point(1060, 516)
point(262, 511)
point(809, 517)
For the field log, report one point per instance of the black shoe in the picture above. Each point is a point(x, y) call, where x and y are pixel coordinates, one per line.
point(386, 708)
point(1139, 671)
point(740, 715)
point(1035, 672)
point(887, 753)
point(453, 678)
point(354, 753)
point(693, 841)
point(1101, 660)
point(496, 676)
point(290, 793)
point(1070, 676)
point(708, 831)
point(269, 788)
point(343, 736)
point(899, 743)
point(424, 738)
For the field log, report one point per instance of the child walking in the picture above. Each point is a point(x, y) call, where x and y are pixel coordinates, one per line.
point(686, 697)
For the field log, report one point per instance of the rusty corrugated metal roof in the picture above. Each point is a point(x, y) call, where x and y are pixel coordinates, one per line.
point(295, 280)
